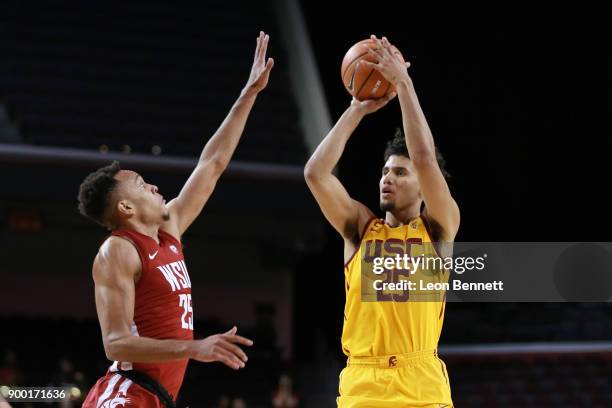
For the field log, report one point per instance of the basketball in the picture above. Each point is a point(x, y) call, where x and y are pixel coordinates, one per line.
point(361, 81)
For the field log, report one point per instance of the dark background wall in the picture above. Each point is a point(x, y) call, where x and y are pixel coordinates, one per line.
point(519, 109)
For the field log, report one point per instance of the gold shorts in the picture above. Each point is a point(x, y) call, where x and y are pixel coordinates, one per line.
point(416, 379)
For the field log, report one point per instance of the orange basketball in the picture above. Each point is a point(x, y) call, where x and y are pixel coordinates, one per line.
point(360, 81)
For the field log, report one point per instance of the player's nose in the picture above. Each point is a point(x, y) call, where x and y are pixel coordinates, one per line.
point(154, 188)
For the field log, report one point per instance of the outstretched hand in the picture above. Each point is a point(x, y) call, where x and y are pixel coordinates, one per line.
point(371, 105)
point(389, 61)
point(260, 71)
point(222, 348)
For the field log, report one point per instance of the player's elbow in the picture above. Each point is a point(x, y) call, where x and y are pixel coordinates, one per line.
point(312, 174)
point(115, 349)
point(212, 165)
point(216, 165)
point(111, 353)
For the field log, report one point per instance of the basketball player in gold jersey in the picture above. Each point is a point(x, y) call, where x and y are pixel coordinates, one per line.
point(390, 343)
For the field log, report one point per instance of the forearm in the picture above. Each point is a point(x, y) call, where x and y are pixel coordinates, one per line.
point(221, 146)
point(328, 153)
point(147, 350)
point(419, 139)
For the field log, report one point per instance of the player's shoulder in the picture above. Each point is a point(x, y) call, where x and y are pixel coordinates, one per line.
point(364, 219)
point(117, 245)
point(116, 255)
point(353, 231)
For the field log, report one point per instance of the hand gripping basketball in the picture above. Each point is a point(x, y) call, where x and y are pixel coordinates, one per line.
point(361, 69)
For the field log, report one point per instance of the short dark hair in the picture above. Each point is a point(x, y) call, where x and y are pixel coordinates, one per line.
point(95, 191)
point(397, 146)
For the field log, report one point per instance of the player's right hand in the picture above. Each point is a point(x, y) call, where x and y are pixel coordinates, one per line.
point(222, 348)
point(371, 105)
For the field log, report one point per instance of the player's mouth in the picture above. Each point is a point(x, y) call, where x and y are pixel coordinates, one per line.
point(386, 192)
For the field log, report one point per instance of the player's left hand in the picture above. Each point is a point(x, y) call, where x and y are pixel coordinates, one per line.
point(390, 64)
point(223, 348)
point(260, 71)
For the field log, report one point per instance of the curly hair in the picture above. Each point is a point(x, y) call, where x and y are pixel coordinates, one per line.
point(95, 191)
point(397, 146)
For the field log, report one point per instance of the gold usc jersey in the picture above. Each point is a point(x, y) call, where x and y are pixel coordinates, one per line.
point(391, 321)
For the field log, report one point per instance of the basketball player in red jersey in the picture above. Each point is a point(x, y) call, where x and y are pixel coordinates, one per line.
point(142, 288)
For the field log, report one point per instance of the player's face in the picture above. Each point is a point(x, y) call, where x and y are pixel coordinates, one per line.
point(399, 186)
point(145, 199)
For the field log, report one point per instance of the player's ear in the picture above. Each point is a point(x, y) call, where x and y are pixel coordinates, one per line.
point(125, 208)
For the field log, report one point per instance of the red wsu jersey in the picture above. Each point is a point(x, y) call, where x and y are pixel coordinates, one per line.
point(162, 308)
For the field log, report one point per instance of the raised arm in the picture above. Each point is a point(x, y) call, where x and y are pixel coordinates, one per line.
point(115, 269)
point(346, 215)
point(218, 151)
point(439, 203)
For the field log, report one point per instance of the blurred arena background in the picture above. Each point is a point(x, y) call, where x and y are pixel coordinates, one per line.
point(147, 82)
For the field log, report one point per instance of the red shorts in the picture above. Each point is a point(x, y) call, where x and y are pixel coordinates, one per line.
point(114, 391)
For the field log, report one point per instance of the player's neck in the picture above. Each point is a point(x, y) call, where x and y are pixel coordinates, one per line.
point(404, 216)
point(150, 230)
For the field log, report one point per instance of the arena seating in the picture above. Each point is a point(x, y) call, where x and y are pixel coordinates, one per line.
point(140, 74)
point(580, 380)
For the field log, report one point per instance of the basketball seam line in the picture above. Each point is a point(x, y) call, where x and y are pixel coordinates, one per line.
point(350, 63)
point(364, 82)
